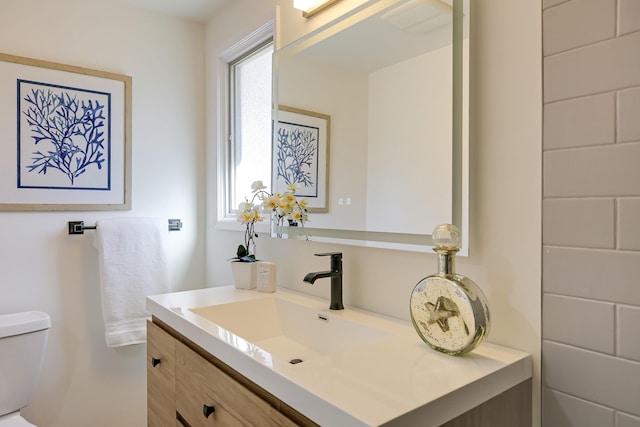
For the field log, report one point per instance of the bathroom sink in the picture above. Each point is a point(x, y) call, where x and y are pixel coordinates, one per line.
point(358, 368)
point(288, 330)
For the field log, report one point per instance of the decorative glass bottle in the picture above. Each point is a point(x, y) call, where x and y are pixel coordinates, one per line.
point(448, 310)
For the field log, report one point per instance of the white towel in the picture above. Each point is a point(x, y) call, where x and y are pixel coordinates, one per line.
point(133, 265)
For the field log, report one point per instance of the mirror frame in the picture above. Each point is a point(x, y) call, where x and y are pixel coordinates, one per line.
point(460, 134)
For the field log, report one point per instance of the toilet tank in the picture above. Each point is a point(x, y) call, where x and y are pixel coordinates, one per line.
point(23, 339)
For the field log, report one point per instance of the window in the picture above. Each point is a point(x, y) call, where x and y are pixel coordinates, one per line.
point(244, 120)
point(250, 121)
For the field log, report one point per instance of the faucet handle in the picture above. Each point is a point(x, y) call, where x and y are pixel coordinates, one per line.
point(336, 260)
point(331, 254)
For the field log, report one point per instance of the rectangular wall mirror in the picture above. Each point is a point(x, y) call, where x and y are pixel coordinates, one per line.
point(385, 90)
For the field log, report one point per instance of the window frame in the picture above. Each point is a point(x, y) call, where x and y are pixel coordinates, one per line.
point(226, 215)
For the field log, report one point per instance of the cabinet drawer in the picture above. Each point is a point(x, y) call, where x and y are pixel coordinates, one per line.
point(194, 391)
point(199, 383)
point(161, 349)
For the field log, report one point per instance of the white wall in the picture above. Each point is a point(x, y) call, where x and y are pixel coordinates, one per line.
point(505, 179)
point(405, 111)
point(41, 267)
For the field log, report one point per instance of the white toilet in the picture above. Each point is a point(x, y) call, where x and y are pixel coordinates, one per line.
point(23, 339)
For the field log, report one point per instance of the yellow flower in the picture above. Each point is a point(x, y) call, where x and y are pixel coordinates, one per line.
point(285, 206)
point(246, 217)
point(271, 202)
point(295, 215)
point(257, 216)
point(288, 198)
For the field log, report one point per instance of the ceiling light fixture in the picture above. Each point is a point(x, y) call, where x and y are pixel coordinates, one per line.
point(311, 7)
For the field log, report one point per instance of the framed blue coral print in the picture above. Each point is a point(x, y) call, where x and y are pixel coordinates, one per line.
point(65, 132)
point(301, 155)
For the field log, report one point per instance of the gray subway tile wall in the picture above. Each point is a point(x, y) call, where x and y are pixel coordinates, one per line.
point(599, 378)
point(629, 16)
point(626, 420)
point(600, 67)
point(591, 213)
point(628, 224)
point(583, 222)
point(593, 118)
point(574, 25)
point(603, 275)
point(549, 3)
point(627, 333)
point(567, 410)
point(570, 326)
point(610, 170)
point(628, 107)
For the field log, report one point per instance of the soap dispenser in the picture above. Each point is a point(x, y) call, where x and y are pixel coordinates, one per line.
point(448, 310)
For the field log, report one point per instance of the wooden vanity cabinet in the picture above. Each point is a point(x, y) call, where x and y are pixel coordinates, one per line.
point(191, 388)
point(200, 383)
point(188, 387)
point(161, 378)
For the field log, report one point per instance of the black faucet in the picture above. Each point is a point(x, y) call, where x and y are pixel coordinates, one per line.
point(336, 279)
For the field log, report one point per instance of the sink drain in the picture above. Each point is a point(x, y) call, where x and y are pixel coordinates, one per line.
point(295, 361)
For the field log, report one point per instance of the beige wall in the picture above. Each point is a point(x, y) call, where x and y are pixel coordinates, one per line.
point(591, 213)
point(43, 268)
point(506, 140)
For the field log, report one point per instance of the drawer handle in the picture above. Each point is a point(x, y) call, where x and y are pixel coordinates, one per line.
point(155, 362)
point(208, 410)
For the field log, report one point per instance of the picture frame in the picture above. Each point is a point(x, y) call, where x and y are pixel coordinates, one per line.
point(301, 155)
point(66, 134)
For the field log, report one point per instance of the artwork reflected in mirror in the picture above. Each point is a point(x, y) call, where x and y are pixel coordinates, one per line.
point(300, 156)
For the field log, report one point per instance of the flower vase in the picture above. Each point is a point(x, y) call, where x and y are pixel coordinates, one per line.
point(244, 274)
point(276, 226)
point(295, 232)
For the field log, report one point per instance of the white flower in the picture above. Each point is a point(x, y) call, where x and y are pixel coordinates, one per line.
point(246, 217)
point(244, 206)
point(295, 216)
point(270, 203)
point(256, 214)
point(257, 186)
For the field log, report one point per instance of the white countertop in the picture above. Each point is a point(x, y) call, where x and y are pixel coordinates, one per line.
point(395, 381)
